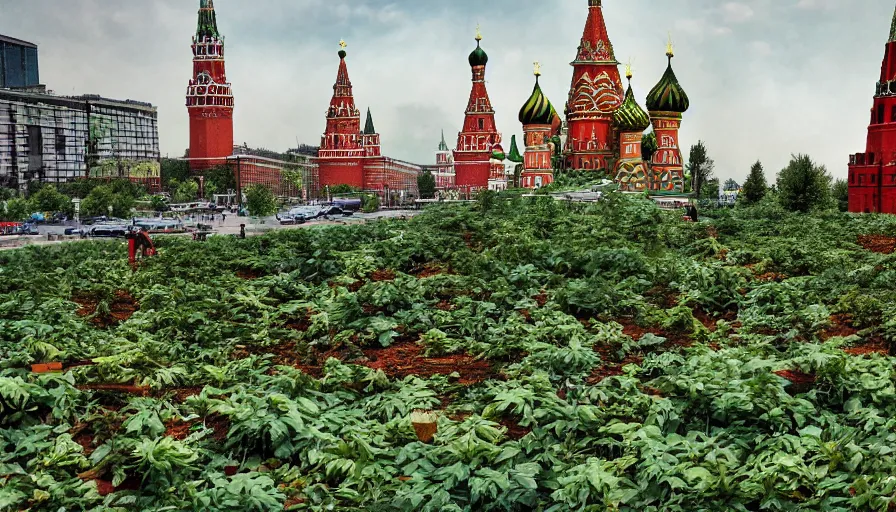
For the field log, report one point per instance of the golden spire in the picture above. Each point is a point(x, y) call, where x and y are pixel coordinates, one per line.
point(628, 69)
point(537, 68)
point(342, 44)
point(670, 47)
point(478, 33)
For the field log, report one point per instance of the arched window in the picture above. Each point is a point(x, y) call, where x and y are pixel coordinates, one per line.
point(481, 124)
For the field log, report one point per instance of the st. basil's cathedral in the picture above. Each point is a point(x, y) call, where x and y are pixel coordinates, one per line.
point(602, 132)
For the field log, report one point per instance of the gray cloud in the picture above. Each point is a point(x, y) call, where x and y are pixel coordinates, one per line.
point(766, 78)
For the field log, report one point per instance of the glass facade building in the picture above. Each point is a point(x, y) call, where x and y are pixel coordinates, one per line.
point(18, 63)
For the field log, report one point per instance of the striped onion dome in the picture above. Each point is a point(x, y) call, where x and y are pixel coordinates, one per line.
point(537, 110)
point(630, 117)
point(668, 95)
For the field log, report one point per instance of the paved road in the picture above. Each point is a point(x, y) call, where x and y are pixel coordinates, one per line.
point(231, 226)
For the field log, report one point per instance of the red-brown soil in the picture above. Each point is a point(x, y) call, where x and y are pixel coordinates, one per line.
point(876, 345)
point(878, 243)
point(841, 326)
point(179, 430)
point(514, 430)
point(769, 277)
point(291, 502)
point(105, 487)
point(800, 382)
point(248, 274)
point(406, 358)
point(445, 305)
point(712, 322)
point(121, 308)
point(541, 299)
point(662, 296)
point(430, 270)
point(611, 368)
point(382, 275)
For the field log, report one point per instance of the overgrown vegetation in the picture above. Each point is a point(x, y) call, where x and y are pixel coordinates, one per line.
point(588, 358)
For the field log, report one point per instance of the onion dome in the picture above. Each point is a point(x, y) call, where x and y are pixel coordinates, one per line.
point(514, 155)
point(537, 110)
point(630, 117)
point(668, 95)
point(478, 57)
point(498, 153)
point(557, 122)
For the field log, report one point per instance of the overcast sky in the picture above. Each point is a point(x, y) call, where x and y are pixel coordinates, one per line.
point(766, 78)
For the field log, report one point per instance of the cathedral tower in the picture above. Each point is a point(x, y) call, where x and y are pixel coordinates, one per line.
point(480, 137)
point(630, 121)
point(342, 150)
point(538, 118)
point(872, 174)
point(209, 96)
point(666, 102)
point(594, 95)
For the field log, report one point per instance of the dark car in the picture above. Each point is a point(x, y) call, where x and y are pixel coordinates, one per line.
point(334, 211)
point(72, 231)
point(107, 231)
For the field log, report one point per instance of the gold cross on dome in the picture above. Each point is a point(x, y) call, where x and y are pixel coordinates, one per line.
point(478, 33)
point(537, 68)
point(342, 44)
point(628, 69)
point(670, 47)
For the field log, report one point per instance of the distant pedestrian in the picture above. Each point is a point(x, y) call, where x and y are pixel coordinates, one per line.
point(242, 231)
point(223, 217)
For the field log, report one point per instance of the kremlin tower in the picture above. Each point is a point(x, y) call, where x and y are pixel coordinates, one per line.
point(666, 102)
point(341, 147)
point(209, 96)
point(538, 118)
point(479, 141)
point(630, 121)
point(872, 174)
point(595, 94)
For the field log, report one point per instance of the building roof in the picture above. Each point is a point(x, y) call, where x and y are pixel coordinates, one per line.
point(12, 40)
point(74, 102)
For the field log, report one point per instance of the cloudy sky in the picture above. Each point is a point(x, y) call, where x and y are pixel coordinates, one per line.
point(766, 78)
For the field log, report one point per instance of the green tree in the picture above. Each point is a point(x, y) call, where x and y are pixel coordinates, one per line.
point(755, 188)
point(15, 210)
point(222, 177)
point(260, 201)
point(50, 200)
point(700, 167)
point(159, 204)
point(343, 190)
point(371, 203)
point(710, 190)
point(804, 186)
point(730, 185)
point(174, 169)
point(186, 192)
point(840, 193)
point(102, 197)
point(648, 146)
point(426, 184)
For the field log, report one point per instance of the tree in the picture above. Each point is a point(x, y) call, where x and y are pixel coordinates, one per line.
point(840, 193)
point(804, 186)
point(648, 146)
point(222, 176)
point(102, 197)
point(426, 184)
point(755, 188)
point(260, 201)
point(700, 167)
point(50, 200)
point(15, 210)
point(731, 185)
point(186, 192)
point(711, 190)
point(174, 169)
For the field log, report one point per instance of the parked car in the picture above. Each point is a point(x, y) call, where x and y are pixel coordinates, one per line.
point(108, 231)
point(72, 231)
point(334, 211)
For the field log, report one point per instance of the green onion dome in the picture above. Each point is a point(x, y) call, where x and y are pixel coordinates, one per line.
point(630, 117)
point(478, 57)
point(537, 110)
point(667, 95)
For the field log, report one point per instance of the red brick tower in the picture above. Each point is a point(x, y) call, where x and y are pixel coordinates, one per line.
point(538, 119)
point(342, 151)
point(479, 137)
point(209, 96)
point(595, 94)
point(872, 174)
point(666, 102)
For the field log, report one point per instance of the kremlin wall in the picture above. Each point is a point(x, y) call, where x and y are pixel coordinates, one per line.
point(602, 129)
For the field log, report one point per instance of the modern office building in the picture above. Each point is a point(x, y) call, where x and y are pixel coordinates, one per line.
point(18, 63)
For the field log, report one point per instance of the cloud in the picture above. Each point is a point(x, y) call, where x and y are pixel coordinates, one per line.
point(766, 78)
